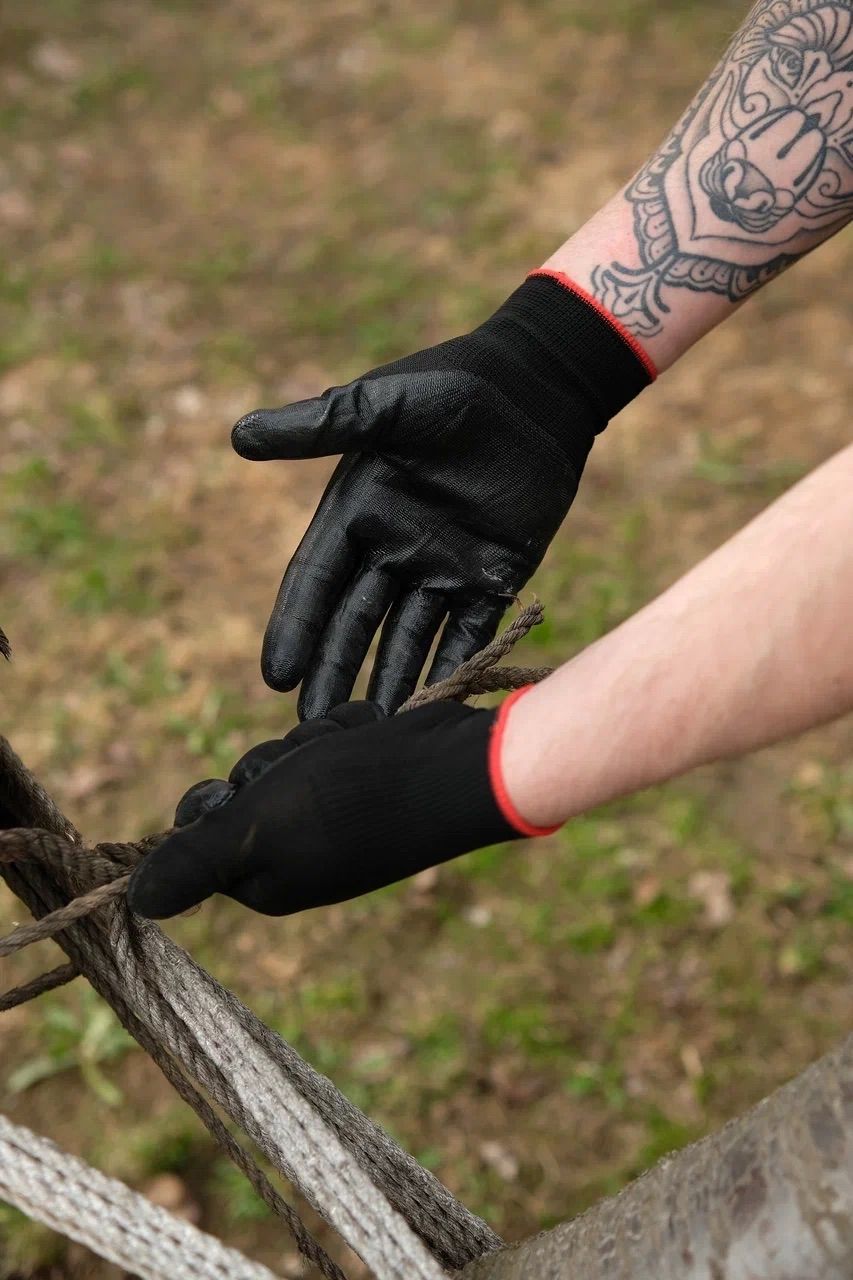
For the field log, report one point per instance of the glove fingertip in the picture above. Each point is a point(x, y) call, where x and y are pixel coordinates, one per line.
point(169, 881)
point(203, 798)
point(263, 434)
point(294, 431)
point(247, 435)
point(314, 703)
point(257, 761)
point(284, 659)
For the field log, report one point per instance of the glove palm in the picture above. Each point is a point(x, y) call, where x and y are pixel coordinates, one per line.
point(460, 463)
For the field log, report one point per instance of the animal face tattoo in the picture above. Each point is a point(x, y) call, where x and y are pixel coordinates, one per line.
point(758, 172)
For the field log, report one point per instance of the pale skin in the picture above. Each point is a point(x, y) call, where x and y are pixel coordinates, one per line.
point(756, 643)
point(752, 646)
point(757, 173)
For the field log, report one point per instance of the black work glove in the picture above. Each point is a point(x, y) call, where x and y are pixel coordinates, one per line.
point(459, 466)
point(340, 806)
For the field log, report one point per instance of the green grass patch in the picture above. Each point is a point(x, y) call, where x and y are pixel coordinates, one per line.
point(94, 567)
point(240, 1201)
point(26, 1245)
point(82, 1036)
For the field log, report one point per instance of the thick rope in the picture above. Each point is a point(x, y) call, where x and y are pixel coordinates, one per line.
point(118, 1224)
point(379, 1198)
point(26, 934)
point(141, 1008)
point(481, 674)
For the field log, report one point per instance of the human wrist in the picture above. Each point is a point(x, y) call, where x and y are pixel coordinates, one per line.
point(564, 336)
point(515, 770)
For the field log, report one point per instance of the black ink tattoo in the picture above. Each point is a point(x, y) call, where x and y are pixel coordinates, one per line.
point(758, 171)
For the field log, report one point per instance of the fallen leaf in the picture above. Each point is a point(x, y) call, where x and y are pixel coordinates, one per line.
point(170, 1192)
point(691, 1060)
point(714, 890)
point(499, 1158)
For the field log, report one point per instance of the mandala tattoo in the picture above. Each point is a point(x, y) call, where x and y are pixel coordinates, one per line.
point(758, 171)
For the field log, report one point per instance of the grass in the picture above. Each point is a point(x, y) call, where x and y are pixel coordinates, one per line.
point(80, 1040)
point(296, 203)
point(28, 1246)
point(97, 566)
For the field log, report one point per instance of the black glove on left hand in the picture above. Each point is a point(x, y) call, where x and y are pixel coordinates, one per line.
point(460, 463)
point(339, 807)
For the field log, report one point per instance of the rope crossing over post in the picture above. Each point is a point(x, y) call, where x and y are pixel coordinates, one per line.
point(401, 1221)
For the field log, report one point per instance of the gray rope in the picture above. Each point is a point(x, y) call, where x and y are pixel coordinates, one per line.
point(88, 944)
point(111, 951)
point(118, 1224)
point(424, 1202)
point(396, 1215)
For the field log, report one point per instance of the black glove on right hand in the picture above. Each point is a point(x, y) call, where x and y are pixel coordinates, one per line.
point(339, 807)
point(460, 465)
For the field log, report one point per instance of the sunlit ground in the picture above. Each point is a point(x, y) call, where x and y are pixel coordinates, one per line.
point(208, 207)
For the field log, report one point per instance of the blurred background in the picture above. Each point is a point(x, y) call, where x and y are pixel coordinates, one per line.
point(210, 206)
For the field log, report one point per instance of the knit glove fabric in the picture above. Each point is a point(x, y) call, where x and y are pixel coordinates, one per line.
point(339, 807)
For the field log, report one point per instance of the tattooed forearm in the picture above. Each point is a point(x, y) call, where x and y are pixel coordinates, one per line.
point(758, 171)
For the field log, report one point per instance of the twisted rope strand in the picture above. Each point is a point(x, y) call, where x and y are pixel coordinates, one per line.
point(56, 921)
point(116, 955)
point(477, 676)
point(58, 977)
point(95, 947)
point(119, 1224)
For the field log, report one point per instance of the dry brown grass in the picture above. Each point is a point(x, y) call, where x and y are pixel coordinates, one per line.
point(206, 207)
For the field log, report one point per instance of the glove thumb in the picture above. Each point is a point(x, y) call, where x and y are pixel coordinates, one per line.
point(191, 864)
point(341, 420)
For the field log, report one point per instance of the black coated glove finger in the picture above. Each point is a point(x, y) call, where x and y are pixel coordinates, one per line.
point(341, 419)
point(349, 715)
point(345, 813)
point(460, 463)
point(202, 798)
point(312, 585)
point(345, 641)
point(408, 633)
point(468, 629)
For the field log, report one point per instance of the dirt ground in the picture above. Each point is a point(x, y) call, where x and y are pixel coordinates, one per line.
point(210, 206)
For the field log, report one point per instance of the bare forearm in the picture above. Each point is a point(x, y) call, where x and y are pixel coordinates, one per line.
point(758, 172)
point(752, 646)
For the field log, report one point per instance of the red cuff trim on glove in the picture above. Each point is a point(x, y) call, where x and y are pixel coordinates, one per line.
point(642, 355)
point(504, 803)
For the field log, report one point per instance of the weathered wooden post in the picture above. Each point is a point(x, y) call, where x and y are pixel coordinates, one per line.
point(769, 1197)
